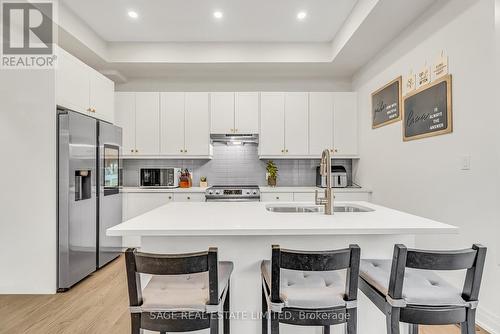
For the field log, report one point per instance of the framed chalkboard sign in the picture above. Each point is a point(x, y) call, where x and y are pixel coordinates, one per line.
point(386, 104)
point(427, 111)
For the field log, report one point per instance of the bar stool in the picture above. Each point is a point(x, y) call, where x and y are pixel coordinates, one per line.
point(303, 288)
point(194, 284)
point(405, 289)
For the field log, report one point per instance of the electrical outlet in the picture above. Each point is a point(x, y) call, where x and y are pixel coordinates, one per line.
point(465, 162)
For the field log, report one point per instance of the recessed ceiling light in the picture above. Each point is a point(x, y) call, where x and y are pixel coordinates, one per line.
point(301, 16)
point(133, 14)
point(218, 14)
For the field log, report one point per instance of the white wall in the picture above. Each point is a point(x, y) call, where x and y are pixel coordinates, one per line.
point(424, 177)
point(28, 181)
point(235, 84)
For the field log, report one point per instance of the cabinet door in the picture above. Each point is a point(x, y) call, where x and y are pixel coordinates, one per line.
point(147, 113)
point(102, 96)
point(125, 118)
point(320, 122)
point(345, 123)
point(296, 120)
point(72, 83)
point(197, 136)
point(272, 123)
point(140, 203)
point(246, 115)
point(172, 123)
point(222, 112)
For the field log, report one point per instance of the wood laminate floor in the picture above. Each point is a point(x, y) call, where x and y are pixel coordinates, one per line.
point(98, 305)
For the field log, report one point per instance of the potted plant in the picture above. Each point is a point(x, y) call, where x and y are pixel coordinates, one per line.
point(203, 182)
point(272, 173)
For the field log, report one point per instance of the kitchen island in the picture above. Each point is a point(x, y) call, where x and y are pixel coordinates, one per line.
point(244, 233)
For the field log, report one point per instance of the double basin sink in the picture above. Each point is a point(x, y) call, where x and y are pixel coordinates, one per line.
point(280, 208)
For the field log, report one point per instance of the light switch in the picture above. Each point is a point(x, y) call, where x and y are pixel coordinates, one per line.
point(465, 162)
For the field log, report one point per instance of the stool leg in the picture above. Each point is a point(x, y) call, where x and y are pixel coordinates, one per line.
point(275, 323)
point(352, 321)
point(469, 326)
point(226, 315)
point(392, 318)
point(413, 328)
point(135, 323)
point(214, 323)
point(265, 318)
point(326, 329)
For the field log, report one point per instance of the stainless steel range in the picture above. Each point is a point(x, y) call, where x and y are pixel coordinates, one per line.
point(232, 194)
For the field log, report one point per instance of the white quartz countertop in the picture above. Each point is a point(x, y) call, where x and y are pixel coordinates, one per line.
point(262, 189)
point(252, 219)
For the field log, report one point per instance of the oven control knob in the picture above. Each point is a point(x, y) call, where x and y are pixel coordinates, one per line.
point(210, 192)
point(217, 192)
point(255, 192)
point(248, 192)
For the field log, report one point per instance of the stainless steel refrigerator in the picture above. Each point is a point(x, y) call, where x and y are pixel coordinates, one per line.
point(89, 199)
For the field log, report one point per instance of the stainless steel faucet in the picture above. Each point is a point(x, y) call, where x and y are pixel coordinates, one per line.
point(326, 170)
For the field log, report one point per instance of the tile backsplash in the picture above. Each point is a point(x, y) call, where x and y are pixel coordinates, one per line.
point(235, 164)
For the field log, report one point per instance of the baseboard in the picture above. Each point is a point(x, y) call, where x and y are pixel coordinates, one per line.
point(488, 321)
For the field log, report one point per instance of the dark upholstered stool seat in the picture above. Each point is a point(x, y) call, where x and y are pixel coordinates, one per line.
point(176, 293)
point(308, 290)
point(421, 287)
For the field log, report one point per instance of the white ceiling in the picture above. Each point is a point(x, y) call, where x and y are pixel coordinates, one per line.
point(193, 21)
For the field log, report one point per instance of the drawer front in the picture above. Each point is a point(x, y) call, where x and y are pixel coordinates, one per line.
point(189, 197)
point(276, 197)
point(304, 197)
point(366, 197)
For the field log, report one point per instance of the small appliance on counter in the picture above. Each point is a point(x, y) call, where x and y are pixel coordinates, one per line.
point(186, 179)
point(160, 177)
point(339, 177)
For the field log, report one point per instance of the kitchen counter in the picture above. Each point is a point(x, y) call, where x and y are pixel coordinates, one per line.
point(244, 232)
point(312, 189)
point(263, 189)
point(252, 218)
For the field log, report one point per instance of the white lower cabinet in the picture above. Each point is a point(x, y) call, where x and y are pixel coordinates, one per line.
point(308, 197)
point(276, 197)
point(189, 197)
point(138, 203)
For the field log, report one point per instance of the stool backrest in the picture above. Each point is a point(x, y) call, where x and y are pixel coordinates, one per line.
point(316, 261)
point(471, 259)
point(170, 264)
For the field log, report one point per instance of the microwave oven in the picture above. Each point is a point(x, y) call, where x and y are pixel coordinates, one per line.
point(160, 177)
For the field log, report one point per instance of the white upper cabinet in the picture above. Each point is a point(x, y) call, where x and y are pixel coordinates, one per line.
point(296, 120)
point(283, 124)
point(272, 124)
point(125, 118)
point(222, 112)
point(83, 89)
point(172, 123)
point(320, 122)
point(345, 123)
point(147, 115)
point(234, 112)
point(185, 124)
point(197, 124)
point(102, 97)
point(246, 113)
point(72, 83)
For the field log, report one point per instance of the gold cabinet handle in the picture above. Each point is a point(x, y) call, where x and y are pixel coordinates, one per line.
point(182, 150)
point(282, 151)
point(89, 109)
point(132, 151)
point(136, 151)
point(235, 130)
point(277, 197)
point(335, 150)
point(188, 197)
point(169, 197)
point(286, 150)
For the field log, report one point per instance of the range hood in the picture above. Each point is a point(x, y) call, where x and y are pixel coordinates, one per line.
point(235, 139)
